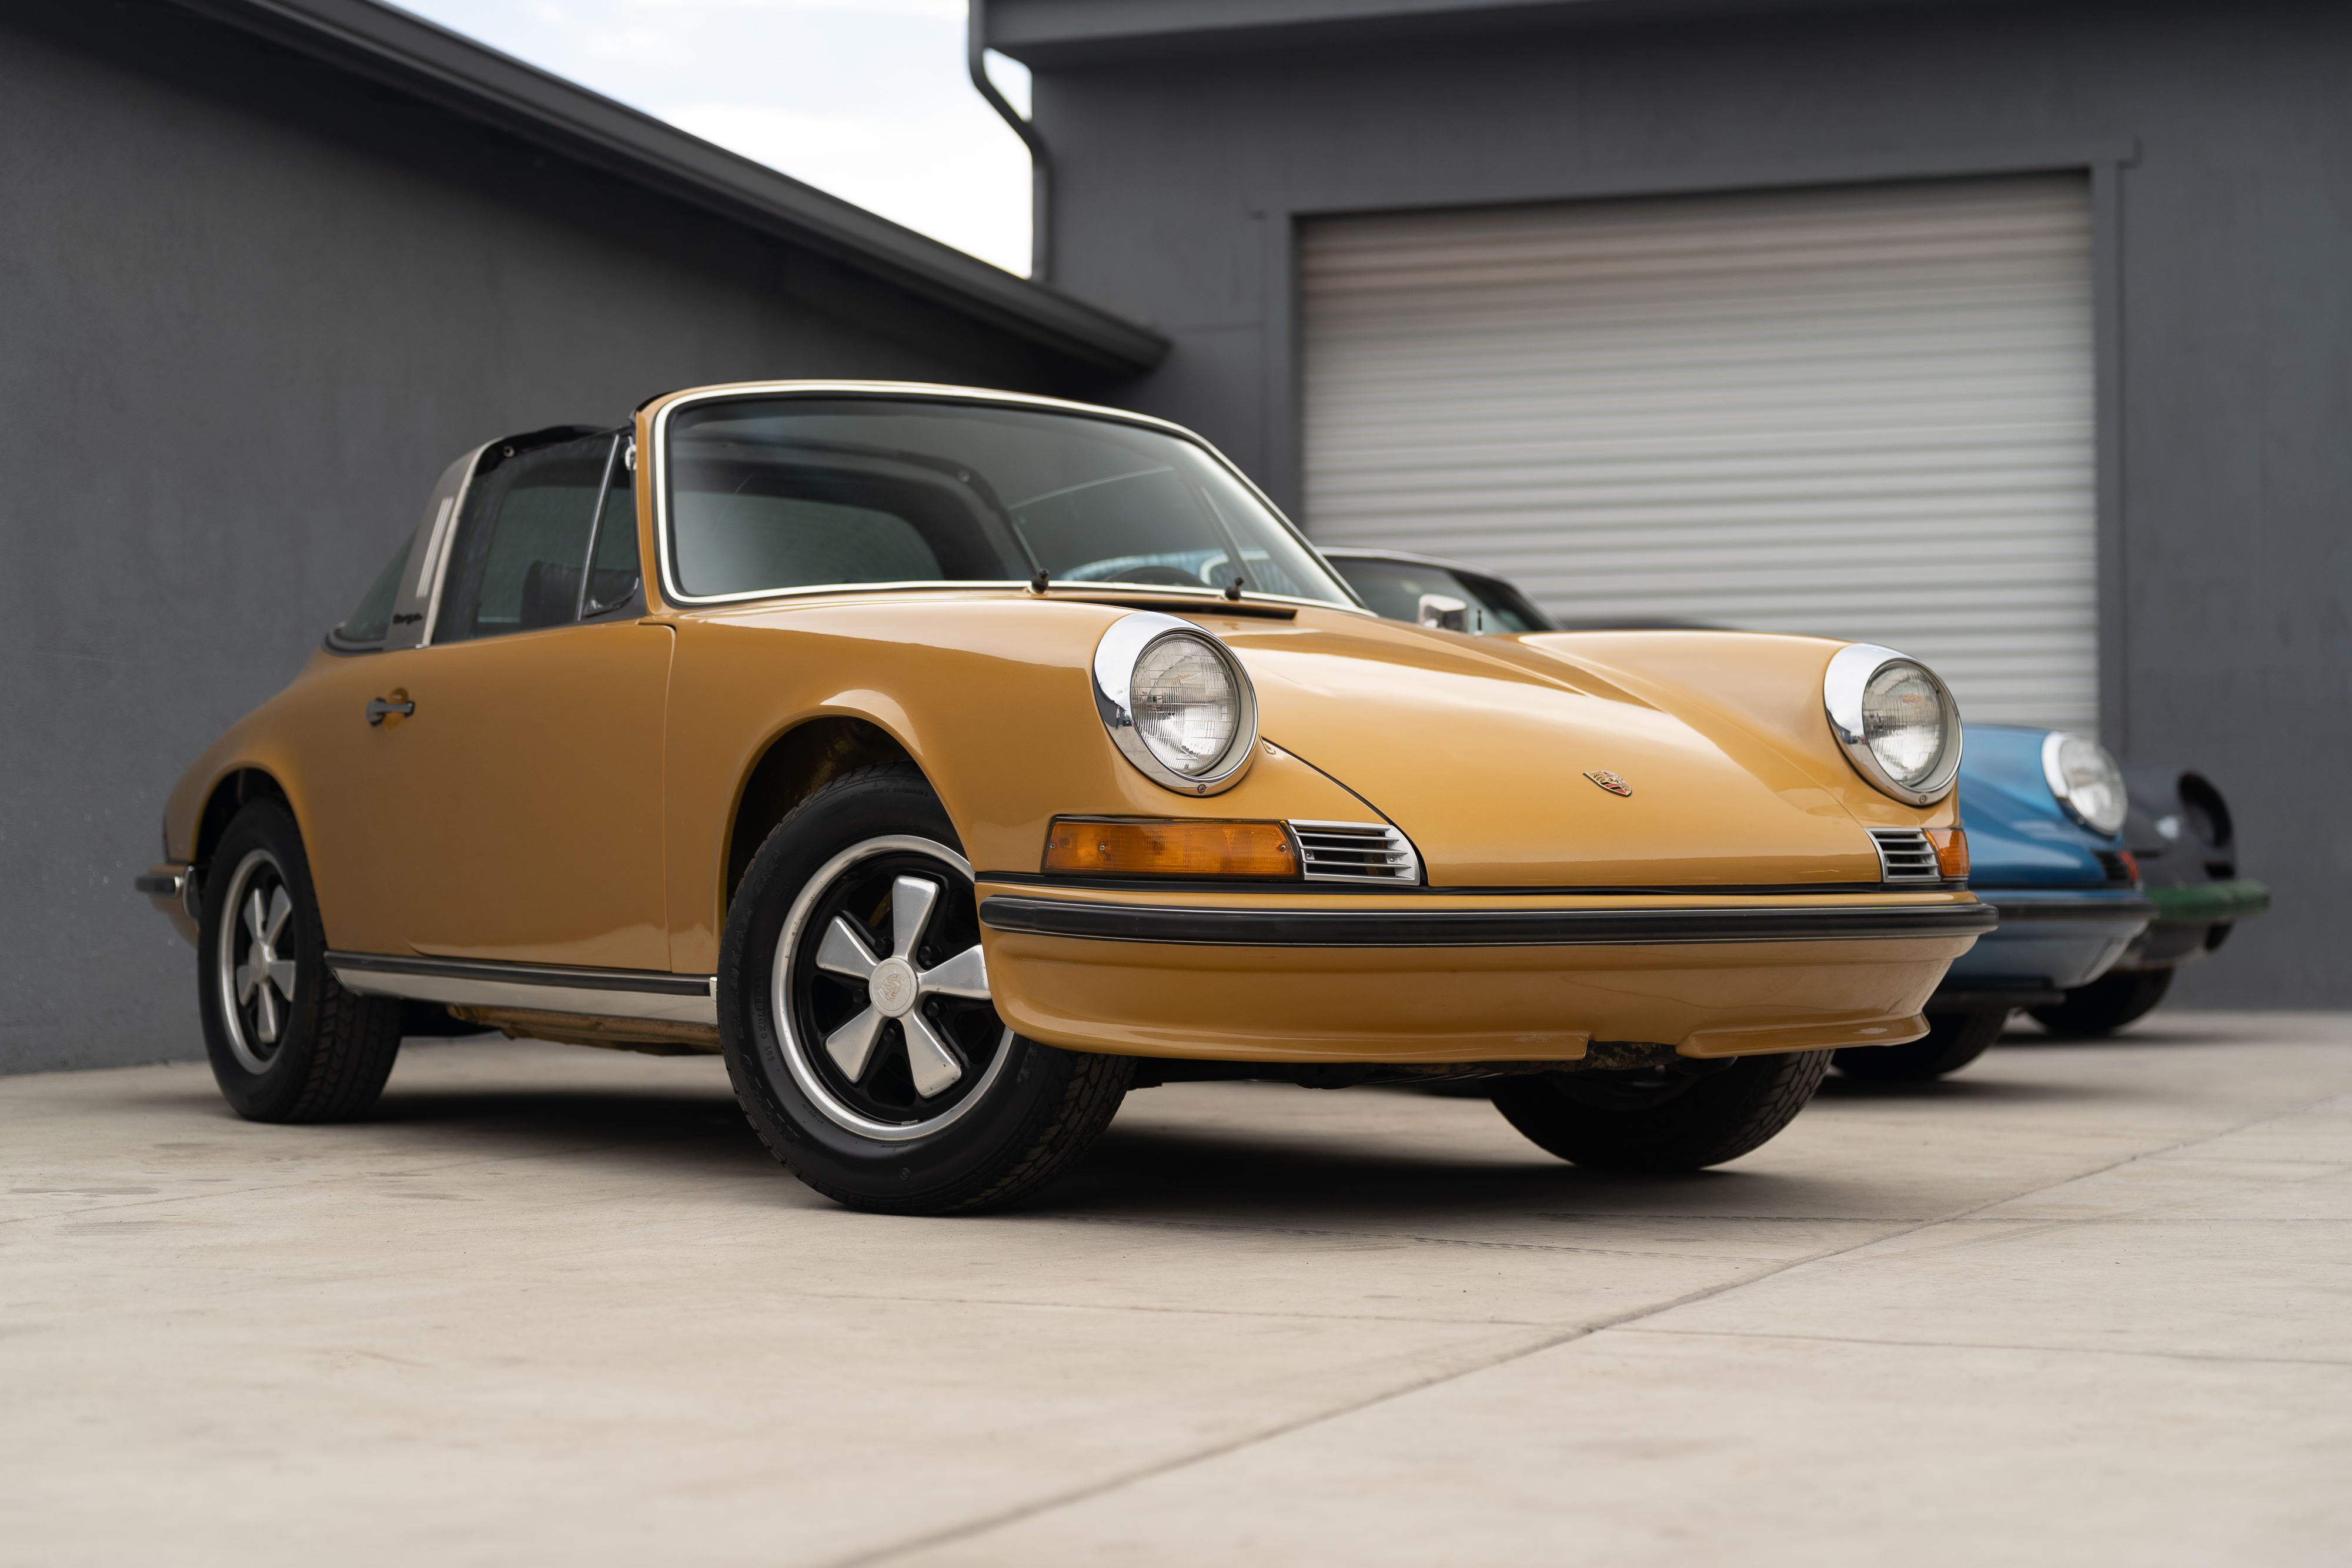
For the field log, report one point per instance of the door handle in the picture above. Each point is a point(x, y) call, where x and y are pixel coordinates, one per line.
point(379, 707)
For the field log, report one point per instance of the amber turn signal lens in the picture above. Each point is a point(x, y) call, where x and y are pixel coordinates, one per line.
point(1951, 851)
point(1113, 848)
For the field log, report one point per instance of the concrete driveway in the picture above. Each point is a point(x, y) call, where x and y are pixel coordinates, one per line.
point(2079, 1304)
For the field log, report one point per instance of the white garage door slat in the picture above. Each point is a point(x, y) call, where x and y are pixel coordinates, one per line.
point(1864, 414)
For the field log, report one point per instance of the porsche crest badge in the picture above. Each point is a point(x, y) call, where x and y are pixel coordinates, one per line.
point(1610, 782)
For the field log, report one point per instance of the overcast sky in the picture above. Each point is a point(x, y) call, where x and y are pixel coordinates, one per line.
point(866, 98)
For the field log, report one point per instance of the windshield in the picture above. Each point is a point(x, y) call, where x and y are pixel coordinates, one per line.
point(773, 493)
point(1393, 589)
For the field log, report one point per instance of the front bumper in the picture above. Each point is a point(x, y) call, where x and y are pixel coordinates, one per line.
point(2190, 921)
point(1435, 978)
point(2049, 940)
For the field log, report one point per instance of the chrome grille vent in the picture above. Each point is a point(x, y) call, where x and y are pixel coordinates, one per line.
point(1906, 855)
point(1356, 851)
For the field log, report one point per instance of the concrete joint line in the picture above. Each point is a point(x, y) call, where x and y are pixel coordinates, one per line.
point(1108, 1484)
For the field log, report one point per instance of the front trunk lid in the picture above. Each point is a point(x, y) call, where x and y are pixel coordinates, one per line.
point(1507, 767)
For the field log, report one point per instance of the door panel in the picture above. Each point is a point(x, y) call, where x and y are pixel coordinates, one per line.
point(519, 808)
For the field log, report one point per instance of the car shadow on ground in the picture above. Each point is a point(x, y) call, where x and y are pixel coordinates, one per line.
point(2162, 1033)
point(1977, 1083)
point(1208, 1176)
point(1304, 1172)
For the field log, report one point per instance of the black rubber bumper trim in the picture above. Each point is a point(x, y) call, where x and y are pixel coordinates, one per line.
point(647, 982)
point(1476, 929)
point(2083, 907)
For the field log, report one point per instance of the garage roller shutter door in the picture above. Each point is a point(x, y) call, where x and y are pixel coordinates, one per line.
point(1863, 413)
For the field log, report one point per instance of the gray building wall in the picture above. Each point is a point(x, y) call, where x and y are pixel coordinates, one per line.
point(2218, 139)
point(249, 306)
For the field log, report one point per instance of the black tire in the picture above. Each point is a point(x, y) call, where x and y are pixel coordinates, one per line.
point(1951, 1042)
point(320, 1054)
point(2107, 1004)
point(1019, 1114)
point(1680, 1118)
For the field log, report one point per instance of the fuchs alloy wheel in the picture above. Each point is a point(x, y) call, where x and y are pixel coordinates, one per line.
point(1683, 1117)
point(855, 1008)
point(288, 1043)
point(1951, 1042)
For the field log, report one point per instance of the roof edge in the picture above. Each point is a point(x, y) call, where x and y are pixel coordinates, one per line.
point(469, 78)
point(1076, 34)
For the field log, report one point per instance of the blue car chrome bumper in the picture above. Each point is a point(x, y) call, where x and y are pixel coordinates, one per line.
point(2051, 939)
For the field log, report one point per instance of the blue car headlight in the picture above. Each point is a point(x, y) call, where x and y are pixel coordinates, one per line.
point(2086, 780)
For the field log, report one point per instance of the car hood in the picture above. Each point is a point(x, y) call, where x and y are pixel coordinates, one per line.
point(1483, 752)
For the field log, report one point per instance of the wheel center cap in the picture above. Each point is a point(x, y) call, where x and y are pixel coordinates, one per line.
point(892, 987)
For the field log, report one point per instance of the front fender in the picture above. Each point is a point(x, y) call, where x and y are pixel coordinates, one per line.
point(991, 698)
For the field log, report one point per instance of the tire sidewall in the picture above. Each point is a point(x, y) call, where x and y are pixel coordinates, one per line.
point(270, 1094)
point(928, 1172)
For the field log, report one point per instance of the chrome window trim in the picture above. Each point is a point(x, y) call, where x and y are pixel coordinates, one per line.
point(432, 571)
point(1113, 672)
point(595, 528)
point(925, 391)
point(1849, 673)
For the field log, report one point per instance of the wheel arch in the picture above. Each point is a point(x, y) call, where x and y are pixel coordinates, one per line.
point(229, 794)
point(795, 764)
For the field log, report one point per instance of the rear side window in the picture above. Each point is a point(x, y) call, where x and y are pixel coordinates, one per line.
point(366, 625)
point(523, 541)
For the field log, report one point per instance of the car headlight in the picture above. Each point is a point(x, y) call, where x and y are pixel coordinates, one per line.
point(2086, 780)
point(1177, 703)
point(1899, 724)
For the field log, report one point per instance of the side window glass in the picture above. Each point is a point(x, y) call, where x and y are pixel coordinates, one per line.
point(366, 625)
point(523, 540)
point(613, 571)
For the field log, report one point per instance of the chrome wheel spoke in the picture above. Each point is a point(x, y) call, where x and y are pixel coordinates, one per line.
point(244, 982)
point(965, 975)
point(929, 1060)
point(844, 952)
point(281, 975)
point(281, 905)
point(255, 917)
point(911, 898)
point(265, 1013)
point(852, 1045)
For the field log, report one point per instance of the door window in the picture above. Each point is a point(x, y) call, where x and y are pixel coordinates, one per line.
point(365, 626)
point(524, 539)
point(613, 571)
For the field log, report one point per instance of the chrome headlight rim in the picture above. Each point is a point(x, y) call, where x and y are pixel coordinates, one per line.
point(1851, 670)
point(2054, 773)
point(1116, 656)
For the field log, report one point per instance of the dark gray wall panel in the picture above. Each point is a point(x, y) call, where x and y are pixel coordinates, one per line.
point(237, 341)
point(2230, 238)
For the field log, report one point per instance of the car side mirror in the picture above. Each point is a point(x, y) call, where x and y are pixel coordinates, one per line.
point(1444, 611)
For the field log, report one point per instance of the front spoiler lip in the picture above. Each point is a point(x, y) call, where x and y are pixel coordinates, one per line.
point(1185, 927)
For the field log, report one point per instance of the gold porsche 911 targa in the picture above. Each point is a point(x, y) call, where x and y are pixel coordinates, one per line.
point(955, 762)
